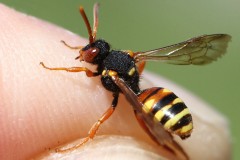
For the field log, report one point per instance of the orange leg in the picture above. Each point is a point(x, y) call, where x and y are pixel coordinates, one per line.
point(77, 47)
point(92, 132)
point(89, 73)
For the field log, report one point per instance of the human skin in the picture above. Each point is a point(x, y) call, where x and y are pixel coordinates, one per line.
point(42, 109)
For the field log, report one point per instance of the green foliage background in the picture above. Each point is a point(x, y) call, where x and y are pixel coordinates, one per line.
point(141, 25)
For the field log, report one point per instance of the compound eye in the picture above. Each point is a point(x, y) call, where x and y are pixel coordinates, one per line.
point(90, 54)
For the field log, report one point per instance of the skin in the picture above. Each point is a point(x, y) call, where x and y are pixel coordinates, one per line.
point(41, 109)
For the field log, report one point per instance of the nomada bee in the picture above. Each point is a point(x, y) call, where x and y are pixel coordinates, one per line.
point(159, 111)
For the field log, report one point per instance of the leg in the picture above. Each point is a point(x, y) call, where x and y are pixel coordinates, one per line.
point(92, 132)
point(77, 47)
point(88, 72)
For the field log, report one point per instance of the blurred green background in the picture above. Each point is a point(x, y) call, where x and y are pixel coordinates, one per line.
point(142, 25)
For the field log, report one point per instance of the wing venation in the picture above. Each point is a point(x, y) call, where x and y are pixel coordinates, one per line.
point(198, 51)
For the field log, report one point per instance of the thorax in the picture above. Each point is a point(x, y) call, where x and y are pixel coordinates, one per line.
point(124, 66)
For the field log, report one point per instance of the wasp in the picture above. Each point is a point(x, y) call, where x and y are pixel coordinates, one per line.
point(159, 111)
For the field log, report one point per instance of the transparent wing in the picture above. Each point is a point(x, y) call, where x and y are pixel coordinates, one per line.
point(198, 51)
point(156, 131)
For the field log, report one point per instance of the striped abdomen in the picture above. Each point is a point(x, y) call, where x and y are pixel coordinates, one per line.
point(167, 109)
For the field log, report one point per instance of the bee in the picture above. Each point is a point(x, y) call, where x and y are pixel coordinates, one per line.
point(159, 111)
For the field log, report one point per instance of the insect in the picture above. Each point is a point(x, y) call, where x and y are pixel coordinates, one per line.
point(159, 111)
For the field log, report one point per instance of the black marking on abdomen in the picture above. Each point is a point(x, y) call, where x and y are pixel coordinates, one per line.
point(151, 94)
point(171, 112)
point(163, 102)
point(185, 120)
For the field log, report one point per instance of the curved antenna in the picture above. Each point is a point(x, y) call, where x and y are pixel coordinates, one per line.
point(95, 21)
point(82, 12)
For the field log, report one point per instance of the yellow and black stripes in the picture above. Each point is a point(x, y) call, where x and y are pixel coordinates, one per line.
point(168, 110)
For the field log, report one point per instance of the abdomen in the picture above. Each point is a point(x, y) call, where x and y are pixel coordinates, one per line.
point(168, 110)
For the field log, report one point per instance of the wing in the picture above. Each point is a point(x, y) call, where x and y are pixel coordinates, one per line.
point(198, 51)
point(155, 130)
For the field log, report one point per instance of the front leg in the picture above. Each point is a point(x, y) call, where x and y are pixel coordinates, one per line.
point(76, 47)
point(88, 72)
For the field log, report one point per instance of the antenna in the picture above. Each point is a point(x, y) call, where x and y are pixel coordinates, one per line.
point(82, 12)
point(92, 34)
